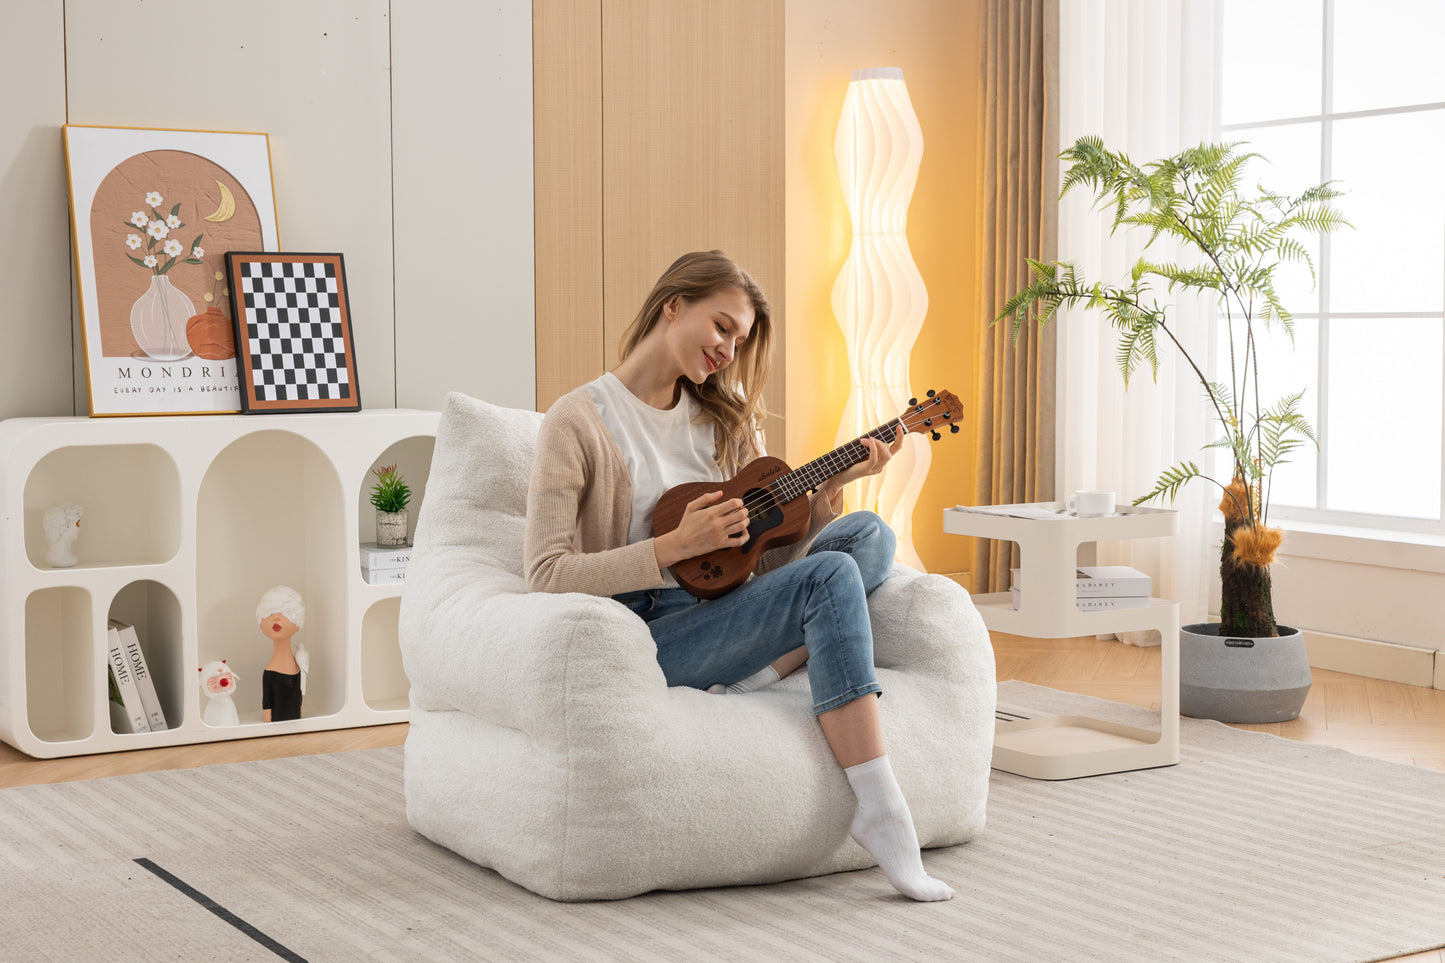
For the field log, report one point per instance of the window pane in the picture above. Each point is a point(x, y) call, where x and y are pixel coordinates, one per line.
point(1290, 163)
point(1387, 53)
point(1283, 369)
point(1261, 82)
point(1394, 259)
point(1383, 452)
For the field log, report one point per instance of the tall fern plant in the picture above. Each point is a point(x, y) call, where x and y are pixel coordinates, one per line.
point(1235, 240)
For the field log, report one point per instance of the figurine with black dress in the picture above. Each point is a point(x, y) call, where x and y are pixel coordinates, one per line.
point(281, 614)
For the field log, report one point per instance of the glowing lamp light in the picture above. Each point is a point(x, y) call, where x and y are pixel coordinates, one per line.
point(879, 298)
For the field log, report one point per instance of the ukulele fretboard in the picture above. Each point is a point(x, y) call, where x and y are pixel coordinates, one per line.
point(807, 478)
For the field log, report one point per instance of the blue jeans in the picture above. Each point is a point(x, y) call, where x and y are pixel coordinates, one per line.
point(819, 600)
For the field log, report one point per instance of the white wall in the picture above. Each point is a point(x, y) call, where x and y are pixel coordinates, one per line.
point(401, 135)
point(35, 369)
point(1350, 588)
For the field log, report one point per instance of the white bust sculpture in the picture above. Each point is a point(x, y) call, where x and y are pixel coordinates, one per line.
point(62, 528)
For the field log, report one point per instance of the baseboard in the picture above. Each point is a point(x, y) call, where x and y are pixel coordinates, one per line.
point(1376, 660)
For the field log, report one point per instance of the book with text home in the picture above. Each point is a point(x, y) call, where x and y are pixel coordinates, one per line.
point(126, 712)
point(1095, 581)
point(140, 671)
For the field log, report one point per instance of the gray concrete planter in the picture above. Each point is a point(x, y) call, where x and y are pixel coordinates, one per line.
point(1242, 680)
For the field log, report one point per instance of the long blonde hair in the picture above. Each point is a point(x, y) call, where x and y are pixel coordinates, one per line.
point(732, 399)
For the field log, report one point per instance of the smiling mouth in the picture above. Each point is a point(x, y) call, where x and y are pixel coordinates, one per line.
point(711, 364)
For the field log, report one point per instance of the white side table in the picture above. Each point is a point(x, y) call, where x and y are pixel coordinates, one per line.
point(1066, 747)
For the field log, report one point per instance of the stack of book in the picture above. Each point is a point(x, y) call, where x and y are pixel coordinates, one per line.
point(384, 563)
point(1100, 587)
point(134, 705)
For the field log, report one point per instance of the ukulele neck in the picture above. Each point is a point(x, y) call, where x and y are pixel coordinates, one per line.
point(811, 476)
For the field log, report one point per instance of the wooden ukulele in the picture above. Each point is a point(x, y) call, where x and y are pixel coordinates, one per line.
point(772, 494)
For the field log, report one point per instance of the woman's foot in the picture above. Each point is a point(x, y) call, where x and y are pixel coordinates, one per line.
point(884, 826)
point(758, 680)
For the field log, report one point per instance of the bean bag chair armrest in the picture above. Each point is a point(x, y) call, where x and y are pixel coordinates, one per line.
point(513, 658)
point(920, 623)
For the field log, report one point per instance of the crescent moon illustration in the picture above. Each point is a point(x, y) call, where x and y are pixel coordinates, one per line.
point(227, 210)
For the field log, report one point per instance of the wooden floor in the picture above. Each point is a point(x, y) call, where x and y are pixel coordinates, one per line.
point(1387, 720)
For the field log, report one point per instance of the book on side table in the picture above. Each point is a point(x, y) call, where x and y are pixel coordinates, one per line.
point(1099, 587)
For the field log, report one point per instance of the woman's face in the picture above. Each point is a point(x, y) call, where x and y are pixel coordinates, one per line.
point(704, 335)
point(278, 626)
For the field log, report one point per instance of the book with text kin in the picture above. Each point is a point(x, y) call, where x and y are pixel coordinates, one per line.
point(1100, 581)
point(376, 558)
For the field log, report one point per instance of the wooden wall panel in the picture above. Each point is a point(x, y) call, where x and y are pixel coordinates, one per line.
point(38, 375)
point(567, 143)
point(692, 150)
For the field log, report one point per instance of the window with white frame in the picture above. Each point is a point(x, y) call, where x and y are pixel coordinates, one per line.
point(1353, 91)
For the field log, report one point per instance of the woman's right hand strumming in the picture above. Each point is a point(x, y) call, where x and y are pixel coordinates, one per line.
point(707, 525)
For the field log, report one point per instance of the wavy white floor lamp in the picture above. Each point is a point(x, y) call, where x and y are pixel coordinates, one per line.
point(879, 298)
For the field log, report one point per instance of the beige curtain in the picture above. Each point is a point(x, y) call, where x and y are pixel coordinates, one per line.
point(1020, 63)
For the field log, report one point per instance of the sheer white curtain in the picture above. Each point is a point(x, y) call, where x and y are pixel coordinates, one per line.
point(1141, 74)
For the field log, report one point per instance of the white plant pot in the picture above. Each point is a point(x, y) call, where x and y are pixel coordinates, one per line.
point(391, 528)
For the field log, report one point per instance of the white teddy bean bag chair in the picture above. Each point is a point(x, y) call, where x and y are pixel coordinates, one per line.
point(546, 744)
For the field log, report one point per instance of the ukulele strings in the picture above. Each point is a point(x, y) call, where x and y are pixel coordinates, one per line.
point(836, 460)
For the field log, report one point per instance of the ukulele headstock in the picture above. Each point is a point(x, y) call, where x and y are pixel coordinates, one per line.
point(937, 409)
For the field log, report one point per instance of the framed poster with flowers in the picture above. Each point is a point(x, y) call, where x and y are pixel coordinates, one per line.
point(152, 213)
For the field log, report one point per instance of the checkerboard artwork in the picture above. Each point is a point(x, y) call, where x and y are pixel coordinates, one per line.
point(294, 327)
point(293, 332)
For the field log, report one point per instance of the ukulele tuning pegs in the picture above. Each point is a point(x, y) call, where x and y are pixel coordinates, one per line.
point(913, 401)
point(935, 435)
point(953, 428)
point(930, 392)
point(928, 421)
point(948, 414)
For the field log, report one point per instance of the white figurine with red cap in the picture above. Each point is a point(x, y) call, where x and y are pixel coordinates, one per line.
point(218, 682)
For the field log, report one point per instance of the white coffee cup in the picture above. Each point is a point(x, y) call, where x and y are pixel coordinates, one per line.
point(1090, 504)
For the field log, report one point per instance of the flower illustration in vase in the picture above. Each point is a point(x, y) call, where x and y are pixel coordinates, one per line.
point(159, 316)
point(161, 222)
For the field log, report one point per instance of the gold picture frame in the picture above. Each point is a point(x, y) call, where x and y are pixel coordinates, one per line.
point(152, 213)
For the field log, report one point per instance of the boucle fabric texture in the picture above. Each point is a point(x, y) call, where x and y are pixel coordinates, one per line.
point(546, 744)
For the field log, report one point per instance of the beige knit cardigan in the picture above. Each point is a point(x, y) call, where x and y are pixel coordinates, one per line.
point(579, 508)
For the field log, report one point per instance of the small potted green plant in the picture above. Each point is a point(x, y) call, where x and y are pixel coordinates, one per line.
point(390, 496)
point(1246, 667)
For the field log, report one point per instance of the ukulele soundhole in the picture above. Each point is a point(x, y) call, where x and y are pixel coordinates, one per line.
point(764, 514)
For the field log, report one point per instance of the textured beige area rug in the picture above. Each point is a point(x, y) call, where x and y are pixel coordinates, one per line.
point(1253, 848)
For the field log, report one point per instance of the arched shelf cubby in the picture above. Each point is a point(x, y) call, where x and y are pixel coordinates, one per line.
point(187, 521)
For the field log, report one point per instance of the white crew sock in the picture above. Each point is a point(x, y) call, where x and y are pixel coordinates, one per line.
point(884, 827)
point(758, 680)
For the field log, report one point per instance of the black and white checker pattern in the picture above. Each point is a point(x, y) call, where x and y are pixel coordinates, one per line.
point(295, 326)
